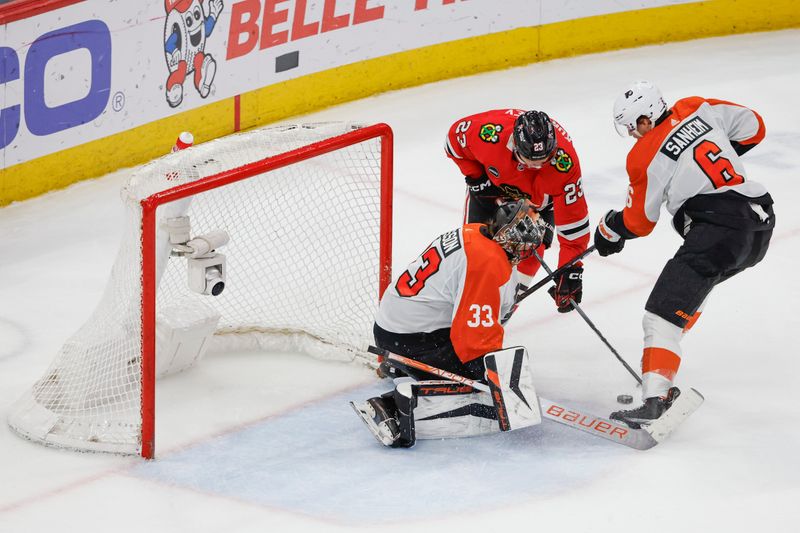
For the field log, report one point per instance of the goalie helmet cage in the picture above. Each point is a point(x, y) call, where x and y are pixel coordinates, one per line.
point(309, 212)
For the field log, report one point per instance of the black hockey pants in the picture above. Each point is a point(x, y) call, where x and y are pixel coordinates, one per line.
point(712, 252)
point(434, 349)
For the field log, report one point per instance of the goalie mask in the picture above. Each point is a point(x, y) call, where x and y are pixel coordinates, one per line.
point(518, 229)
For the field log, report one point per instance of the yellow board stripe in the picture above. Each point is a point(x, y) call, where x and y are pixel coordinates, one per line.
point(405, 69)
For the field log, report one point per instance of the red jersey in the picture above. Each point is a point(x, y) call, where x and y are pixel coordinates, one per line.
point(482, 145)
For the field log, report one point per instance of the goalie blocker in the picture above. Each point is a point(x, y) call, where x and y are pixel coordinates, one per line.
point(436, 409)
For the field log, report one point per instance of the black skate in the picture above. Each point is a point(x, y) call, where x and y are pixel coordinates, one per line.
point(652, 409)
point(381, 420)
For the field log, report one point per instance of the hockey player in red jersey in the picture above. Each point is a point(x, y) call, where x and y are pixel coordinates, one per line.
point(445, 311)
point(508, 154)
point(686, 157)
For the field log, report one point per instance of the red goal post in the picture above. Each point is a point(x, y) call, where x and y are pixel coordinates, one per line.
point(150, 204)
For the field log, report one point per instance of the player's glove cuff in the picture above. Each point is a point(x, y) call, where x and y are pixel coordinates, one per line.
point(482, 190)
point(606, 240)
point(478, 185)
point(605, 230)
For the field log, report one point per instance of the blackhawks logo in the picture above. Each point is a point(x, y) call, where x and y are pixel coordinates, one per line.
point(562, 161)
point(489, 133)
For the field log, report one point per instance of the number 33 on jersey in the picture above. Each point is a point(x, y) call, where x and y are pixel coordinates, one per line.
point(465, 282)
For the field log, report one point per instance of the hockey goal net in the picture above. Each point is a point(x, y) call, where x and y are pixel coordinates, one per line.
point(308, 211)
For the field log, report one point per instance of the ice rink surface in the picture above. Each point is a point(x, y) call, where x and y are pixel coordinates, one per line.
point(254, 442)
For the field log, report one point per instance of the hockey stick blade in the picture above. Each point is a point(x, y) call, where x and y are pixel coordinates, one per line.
point(638, 439)
point(683, 406)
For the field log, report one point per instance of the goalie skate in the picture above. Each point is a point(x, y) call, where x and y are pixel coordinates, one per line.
point(379, 420)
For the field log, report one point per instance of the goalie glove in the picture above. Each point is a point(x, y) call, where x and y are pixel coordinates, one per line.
point(606, 240)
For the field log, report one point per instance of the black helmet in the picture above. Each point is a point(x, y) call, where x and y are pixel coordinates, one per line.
point(518, 229)
point(534, 136)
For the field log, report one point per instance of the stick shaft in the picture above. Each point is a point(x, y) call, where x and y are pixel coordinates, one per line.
point(413, 363)
point(551, 275)
point(591, 325)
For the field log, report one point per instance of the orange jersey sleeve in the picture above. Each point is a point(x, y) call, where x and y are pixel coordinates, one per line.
point(645, 196)
point(635, 214)
point(476, 325)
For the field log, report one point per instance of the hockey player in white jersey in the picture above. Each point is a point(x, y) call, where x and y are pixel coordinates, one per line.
point(444, 310)
point(686, 157)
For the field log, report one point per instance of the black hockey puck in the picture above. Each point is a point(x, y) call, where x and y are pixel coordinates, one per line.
point(625, 398)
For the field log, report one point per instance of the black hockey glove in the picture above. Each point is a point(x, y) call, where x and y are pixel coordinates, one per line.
point(483, 191)
point(569, 286)
point(550, 224)
point(606, 240)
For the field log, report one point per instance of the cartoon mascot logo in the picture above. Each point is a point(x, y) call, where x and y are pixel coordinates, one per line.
point(185, 33)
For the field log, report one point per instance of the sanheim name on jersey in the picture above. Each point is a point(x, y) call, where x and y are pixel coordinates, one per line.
point(684, 137)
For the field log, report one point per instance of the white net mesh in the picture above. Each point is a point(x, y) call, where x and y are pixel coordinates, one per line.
point(303, 267)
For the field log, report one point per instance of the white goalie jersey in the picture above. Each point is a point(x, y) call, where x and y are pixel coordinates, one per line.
point(463, 281)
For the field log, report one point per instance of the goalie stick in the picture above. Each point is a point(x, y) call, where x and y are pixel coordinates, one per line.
point(639, 439)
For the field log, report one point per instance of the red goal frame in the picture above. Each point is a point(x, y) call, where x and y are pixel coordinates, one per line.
point(148, 241)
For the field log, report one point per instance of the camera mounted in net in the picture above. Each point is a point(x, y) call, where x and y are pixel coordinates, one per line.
point(206, 267)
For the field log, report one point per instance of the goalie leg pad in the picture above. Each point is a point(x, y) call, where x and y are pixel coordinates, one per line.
point(513, 394)
point(443, 409)
point(405, 402)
